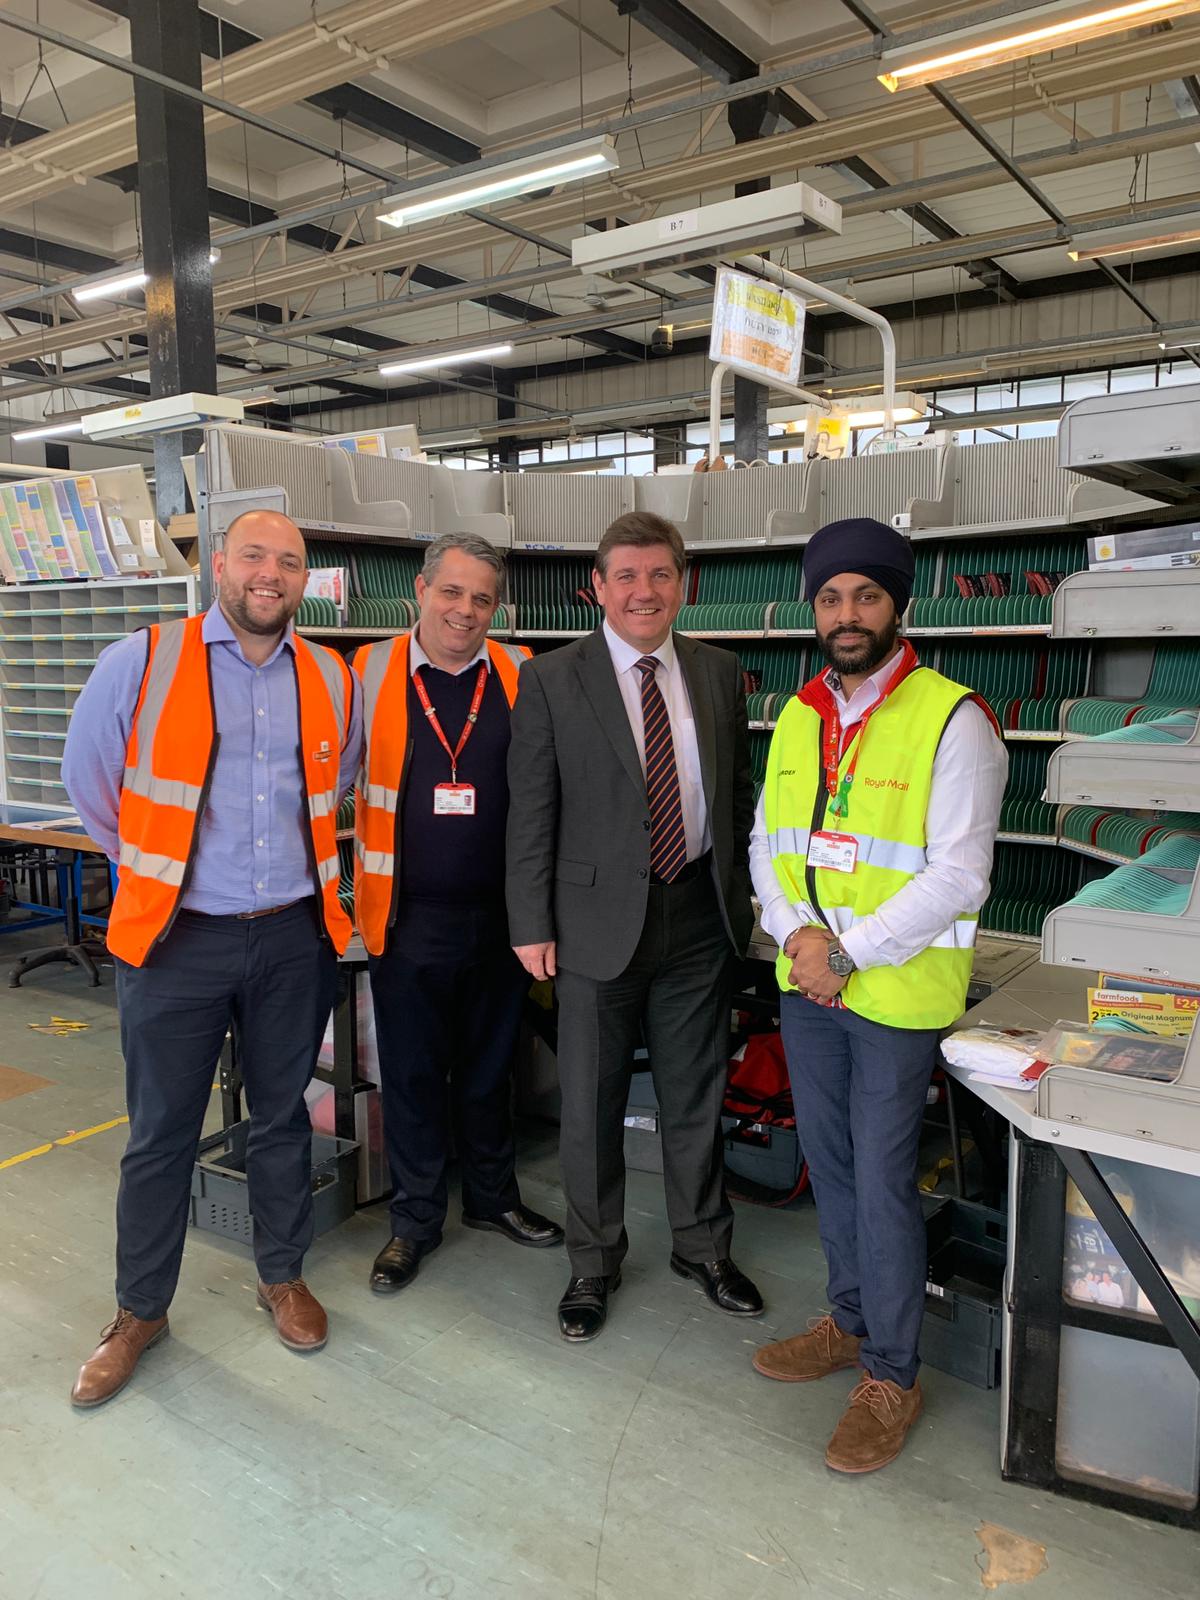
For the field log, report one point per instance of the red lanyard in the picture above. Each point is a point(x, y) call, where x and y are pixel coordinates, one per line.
point(468, 726)
point(839, 791)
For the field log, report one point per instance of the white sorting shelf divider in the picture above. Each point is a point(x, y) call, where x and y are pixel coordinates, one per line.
point(1128, 605)
point(1103, 772)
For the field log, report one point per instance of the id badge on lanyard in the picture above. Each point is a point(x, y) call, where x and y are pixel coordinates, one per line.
point(836, 852)
point(453, 799)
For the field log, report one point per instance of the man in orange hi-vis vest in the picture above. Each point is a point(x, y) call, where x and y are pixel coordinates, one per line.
point(208, 755)
point(430, 814)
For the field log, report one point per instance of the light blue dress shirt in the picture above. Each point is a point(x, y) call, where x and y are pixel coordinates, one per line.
point(252, 851)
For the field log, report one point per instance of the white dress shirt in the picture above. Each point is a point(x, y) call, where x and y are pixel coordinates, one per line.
point(669, 677)
point(970, 771)
point(418, 658)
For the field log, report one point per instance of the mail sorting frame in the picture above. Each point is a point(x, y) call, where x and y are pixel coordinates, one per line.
point(1010, 545)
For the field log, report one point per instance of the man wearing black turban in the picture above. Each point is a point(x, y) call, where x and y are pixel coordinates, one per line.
point(871, 856)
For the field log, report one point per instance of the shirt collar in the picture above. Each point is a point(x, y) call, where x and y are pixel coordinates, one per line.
point(216, 629)
point(418, 658)
point(875, 684)
point(626, 656)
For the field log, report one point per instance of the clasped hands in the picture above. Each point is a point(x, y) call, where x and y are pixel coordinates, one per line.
point(808, 950)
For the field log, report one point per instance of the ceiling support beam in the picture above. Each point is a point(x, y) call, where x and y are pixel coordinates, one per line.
point(372, 113)
point(717, 56)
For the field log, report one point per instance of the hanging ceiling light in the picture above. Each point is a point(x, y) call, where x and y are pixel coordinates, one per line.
point(860, 411)
point(125, 282)
point(452, 358)
point(581, 159)
point(1128, 247)
point(1039, 29)
point(50, 430)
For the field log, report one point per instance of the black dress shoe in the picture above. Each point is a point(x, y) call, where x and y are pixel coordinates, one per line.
point(728, 1288)
point(584, 1307)
point(398, 1262)
point(520, 1225)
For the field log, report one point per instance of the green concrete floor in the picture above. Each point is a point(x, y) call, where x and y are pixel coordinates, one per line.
point(446, 1443)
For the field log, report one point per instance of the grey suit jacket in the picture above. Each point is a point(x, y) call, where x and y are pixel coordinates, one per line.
point(578, 856)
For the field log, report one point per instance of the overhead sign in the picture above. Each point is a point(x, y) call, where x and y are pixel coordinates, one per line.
point(757, 327)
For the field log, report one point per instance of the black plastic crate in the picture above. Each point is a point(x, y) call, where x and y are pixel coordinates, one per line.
point(961, 1331)
point(643, 1146)
point(763, 1154)
point(220, 1199)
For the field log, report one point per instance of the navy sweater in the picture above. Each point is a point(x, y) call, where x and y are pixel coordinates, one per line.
point(455, 858)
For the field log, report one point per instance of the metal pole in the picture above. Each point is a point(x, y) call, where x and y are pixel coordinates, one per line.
point(714, 405)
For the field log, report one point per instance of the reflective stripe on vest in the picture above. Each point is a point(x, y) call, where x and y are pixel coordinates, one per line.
point(325, 685)
point(888, 804)
point(168, 763)
point(383, 670)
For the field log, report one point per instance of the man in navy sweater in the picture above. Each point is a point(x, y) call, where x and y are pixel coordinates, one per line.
point(431, 813)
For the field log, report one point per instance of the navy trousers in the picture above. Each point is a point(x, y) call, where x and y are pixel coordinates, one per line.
point(273, 978)
point(448, 993)
point(859, 1089)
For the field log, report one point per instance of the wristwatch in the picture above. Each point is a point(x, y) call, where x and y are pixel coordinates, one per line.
point(840, 964)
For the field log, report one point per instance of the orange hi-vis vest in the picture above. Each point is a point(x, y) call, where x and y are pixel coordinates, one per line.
point(384, 672)
point(168, 765)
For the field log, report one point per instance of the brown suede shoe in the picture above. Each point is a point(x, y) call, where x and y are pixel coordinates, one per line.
point(300, 1319)
point(110, 1366)
point(805, 1356)
point(874, 1426)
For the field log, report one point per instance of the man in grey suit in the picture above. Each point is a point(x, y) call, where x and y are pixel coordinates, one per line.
point(628, 883)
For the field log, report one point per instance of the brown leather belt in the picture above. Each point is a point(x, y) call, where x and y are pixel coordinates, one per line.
point(271, 911)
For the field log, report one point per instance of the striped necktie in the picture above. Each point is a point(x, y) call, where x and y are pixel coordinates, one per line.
point(668, 846)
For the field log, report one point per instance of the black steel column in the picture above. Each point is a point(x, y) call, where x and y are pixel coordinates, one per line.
point(670, 446)
point(173, 180)
point(508, 446)
point(750, 119)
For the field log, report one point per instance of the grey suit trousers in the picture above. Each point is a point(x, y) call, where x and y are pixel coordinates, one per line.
point(675, 993)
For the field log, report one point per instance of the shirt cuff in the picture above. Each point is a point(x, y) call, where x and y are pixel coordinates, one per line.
point(781, 918)
point(856, 942)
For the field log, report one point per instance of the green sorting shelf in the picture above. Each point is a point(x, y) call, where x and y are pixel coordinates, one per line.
point(729, 616)
point(1174, 687)
point(1159, 881)
point(1175, 729)
point(792, 616)
point(1027, 881)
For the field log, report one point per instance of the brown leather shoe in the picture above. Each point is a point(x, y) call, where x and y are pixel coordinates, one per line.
point(300, 1319)
point(805, 1356)
point(874, 1426)
point(110, 1366)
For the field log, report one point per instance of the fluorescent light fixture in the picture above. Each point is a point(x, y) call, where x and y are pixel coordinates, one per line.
point(579, 464)
point(51, 430)
point(619, 413)
point(580, 159)
point(451, 358)
point(168, 415)
point(861, 411)
point(455, 442)
point(119, 283)
point(751, 222)
point(1129, 247)
point(112, 288)
point(1040, 28)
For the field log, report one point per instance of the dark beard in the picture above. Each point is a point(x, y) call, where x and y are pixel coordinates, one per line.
point(861, 655)
point(238, 611)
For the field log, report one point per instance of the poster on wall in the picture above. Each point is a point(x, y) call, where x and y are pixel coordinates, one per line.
point(757, 327)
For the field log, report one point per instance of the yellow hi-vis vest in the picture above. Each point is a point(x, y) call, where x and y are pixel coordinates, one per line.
point(887, 807)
